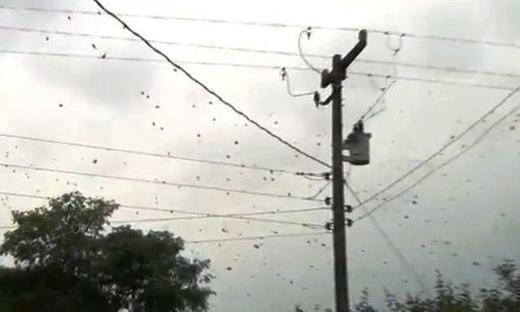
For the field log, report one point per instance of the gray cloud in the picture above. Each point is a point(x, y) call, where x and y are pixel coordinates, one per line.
point(108, 83)
point(506, 25)
point(414, 125)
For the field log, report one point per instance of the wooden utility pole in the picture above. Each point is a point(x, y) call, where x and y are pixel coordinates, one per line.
point(335, 78)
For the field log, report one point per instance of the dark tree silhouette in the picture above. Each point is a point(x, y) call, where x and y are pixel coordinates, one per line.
point(504, 297)
point(448, 297)
point(67, 260)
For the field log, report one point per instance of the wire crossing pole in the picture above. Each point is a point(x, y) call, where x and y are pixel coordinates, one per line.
point(335, 78)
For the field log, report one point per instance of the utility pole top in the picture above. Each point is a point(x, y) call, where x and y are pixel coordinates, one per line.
point(340, 65)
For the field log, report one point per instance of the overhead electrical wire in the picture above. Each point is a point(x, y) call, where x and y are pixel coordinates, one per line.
point(321, 190)
point(266, 24)
point(155, 220)
point(262, 51)
point(286, 78)
point(380, 98)
point(216, 216)
point(431, 80)
point(442, 149)
point(392, 245)
point(198, 215)
point(261, 237)
point(239, 238)
point(153, 154)
point(404, 262)
point(401, 34)
point(442, 165)
point(448, 144)
point(395, 50)
point(194, 215)
point(208, 90)
point(160, 182)
point(306, 31)
point(254, 238)
point(254, 66)
point(376, 113)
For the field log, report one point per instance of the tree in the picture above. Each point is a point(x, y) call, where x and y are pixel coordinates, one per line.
point(505, 297)
point(64, 251)
point(448, 297)
point(363, 305)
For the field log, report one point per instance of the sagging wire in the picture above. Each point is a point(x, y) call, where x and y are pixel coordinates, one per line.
point(394, 49)
point(285, 77)
point(442, 149)
point(465, 149)
point(368, 114)
point(407, 265)
point(321, 190)
point(190, 76)
point(261, 51)
point(374, 84)
point(272, 25)
point(313, 178)
point(271, 67)
point(307, 31)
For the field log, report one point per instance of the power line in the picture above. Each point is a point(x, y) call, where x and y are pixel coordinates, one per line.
point(138, 207)
point(450, 69)
point(154, 220)
point(234, 239)
point(378, 100)
point(430, 80)
point(153, 154)
point(263, 51)
point(196, 215)
point(442, 149)
point(376, 113)
point(252, 238)
point(306, 31)
point(322, 189)
point(253, 66)
point(200, 215)
point(217, 216)
point(285, 76)
point(442, 165)
point(208, 90)
point(161, 182)
point(265, 24)
point(404, 262)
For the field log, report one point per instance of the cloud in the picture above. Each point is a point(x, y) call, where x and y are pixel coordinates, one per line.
point(102, 82)
point(110, 83)
point(505, 16)
point(445, 19)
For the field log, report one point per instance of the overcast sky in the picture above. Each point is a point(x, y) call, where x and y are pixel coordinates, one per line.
point(463, 220)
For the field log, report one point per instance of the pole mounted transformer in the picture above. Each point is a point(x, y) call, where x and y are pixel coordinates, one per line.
point(357, 144)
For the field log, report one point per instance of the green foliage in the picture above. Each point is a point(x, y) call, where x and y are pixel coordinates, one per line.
point(364, 305)
point(48, 290)
point(505, 297)
point(65, 253)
